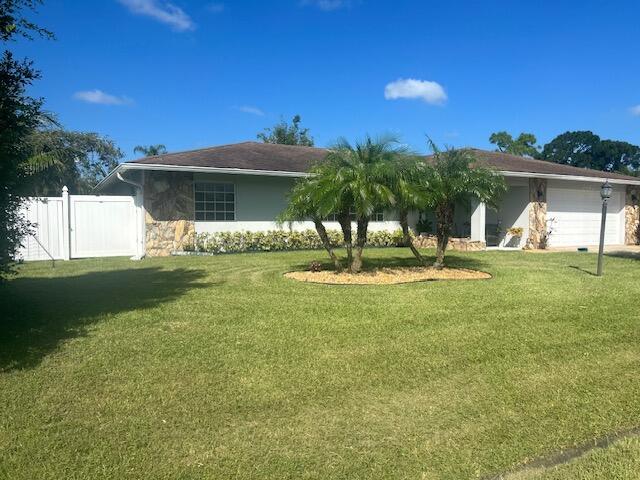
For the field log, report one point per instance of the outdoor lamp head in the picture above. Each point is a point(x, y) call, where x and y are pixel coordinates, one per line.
point(605, 190)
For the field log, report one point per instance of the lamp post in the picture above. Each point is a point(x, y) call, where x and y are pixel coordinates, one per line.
point(605, 194)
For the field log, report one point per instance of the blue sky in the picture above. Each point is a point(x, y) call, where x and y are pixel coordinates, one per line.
point(190, 73)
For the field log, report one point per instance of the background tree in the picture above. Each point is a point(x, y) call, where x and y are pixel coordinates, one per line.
point(618, 156)
point(524, 145)
point(59, 157)
point(451, 179)
point(19, 116)
point(150, 150)
point(586, 150)
point(572, 148)
point(286, 134)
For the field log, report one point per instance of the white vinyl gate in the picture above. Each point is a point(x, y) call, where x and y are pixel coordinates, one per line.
point(80, 226)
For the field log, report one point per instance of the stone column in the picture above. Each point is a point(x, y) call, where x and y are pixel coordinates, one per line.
point(169, 217)
point(537, 213)
point(632, 215)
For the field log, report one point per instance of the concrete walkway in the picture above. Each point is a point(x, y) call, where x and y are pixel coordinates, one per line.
point(631, 250)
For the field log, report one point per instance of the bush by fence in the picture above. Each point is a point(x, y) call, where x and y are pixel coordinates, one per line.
point(280, 240)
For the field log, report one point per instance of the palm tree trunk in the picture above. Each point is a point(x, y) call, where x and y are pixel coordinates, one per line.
point(361, 241)
point(444, 216)
point(345, 225)
point(406, 236)
point(324, 238)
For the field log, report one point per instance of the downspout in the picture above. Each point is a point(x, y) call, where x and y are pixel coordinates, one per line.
point(139, 195)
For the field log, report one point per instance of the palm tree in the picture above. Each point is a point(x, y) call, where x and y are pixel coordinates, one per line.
point(356, 179)
point(409, 184)
point(301, 207)
point(151, 150)
point(452, 179)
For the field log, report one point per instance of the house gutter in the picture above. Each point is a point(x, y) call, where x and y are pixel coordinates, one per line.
point(577, 178)
point(183, 168)
point(281, 173)
point(127, 180)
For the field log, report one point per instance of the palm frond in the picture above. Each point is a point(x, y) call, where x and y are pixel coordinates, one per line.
point(42, 161)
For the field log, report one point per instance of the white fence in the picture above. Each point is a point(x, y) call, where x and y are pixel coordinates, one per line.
point(80, 226)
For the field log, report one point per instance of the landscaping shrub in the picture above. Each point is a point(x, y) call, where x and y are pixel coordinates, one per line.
point(280, 240)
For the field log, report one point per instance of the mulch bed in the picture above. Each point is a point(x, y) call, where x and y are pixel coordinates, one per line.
point(388, 276)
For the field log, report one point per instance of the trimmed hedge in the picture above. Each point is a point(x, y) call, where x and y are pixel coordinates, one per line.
point(280, 240)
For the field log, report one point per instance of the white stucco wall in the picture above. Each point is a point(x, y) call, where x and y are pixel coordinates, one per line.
point(260, 199)
point(513, 211)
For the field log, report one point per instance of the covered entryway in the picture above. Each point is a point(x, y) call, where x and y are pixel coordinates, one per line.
point(574, 213)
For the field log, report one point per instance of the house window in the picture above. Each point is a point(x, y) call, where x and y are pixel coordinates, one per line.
point(376, 217)
point(215, 201)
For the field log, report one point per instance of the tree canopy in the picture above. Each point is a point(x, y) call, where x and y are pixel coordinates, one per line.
point(586, 150)
point(59, 157)
point(287, 134)
point(524, 145)
point(19, 116)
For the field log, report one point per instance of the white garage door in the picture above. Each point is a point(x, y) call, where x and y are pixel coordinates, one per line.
point(574, 216)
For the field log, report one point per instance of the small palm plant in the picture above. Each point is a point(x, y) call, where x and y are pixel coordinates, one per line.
point(302, 206)
point(409, 184)
point(454, 176)
point(357, 179)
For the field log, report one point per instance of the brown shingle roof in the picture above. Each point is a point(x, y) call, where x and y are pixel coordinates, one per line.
point(506, 162)
point(246, 156)
point(287, 158)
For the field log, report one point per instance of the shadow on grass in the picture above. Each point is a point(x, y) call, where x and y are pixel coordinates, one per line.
point(37, 314)
point(623, 254)
point(583, 270)
point(453, 260)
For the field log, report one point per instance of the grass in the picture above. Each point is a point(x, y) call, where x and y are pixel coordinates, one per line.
point(219, 367)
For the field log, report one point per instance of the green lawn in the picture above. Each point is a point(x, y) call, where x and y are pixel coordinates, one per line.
point(218, 367)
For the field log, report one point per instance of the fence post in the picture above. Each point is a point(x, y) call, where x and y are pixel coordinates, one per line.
point(66, 226)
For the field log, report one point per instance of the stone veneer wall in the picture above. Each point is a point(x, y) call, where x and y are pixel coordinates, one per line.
point(632, 216)
point(537, 213)
point(458, 244)
point(169, 206)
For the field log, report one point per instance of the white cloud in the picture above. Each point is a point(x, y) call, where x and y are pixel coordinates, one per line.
point(250, 109)
point(635, 111)
point(100, 97)
point(327, 5)
point(430, 92)
point(216, 7)
point(163, 12)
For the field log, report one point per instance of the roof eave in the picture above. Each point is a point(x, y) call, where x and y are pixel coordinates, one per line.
point(578, 178)
point(278, 173)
